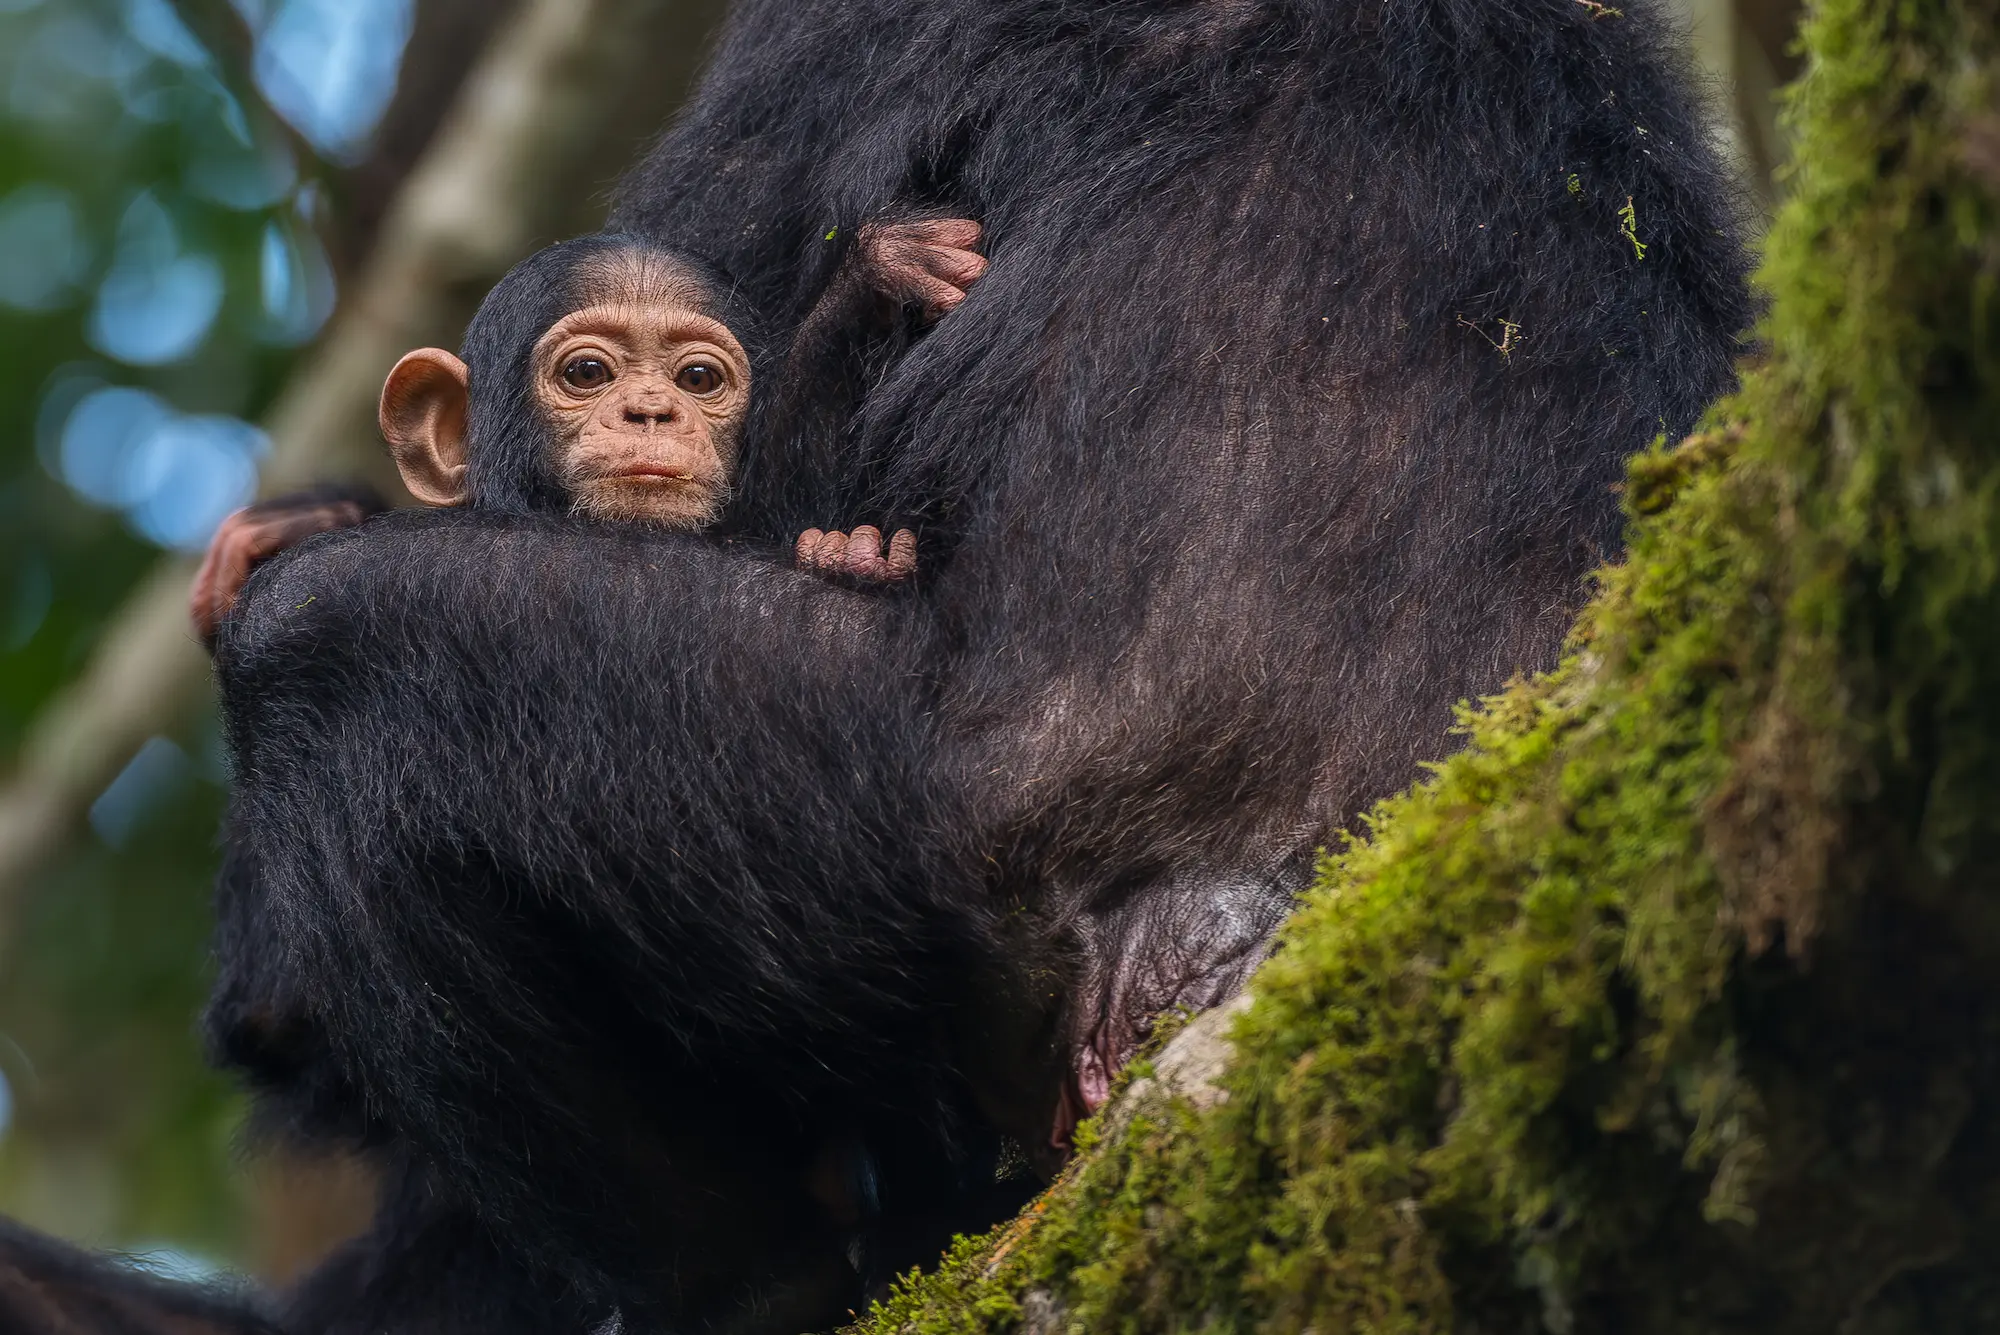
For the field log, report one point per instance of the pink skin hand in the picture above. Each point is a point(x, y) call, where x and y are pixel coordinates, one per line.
point(859, 554)
point(248, 538)
point(931, 263)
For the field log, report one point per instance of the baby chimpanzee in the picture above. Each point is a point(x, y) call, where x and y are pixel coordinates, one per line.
point(656, 438)
point(605, 377)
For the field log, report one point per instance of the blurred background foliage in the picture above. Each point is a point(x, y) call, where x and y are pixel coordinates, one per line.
point(185, 188)
point(182, 190)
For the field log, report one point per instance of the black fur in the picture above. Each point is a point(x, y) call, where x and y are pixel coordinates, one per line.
point(518, 926)
point(614, 869)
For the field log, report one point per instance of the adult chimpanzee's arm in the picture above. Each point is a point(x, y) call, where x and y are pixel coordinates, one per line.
point(594, 851)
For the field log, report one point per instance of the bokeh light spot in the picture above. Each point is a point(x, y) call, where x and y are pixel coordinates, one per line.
point(237, 167)
point(298, 286)
point(156, 305)
point(175, 476)
point(60, 72)
point(42, 251)
point(100, 437)
point(189, 474)
point(78, 44)
point(159, 29)
point(330, 66)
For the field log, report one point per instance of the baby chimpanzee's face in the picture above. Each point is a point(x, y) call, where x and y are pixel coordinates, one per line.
point(635, 401)
point(645, 397)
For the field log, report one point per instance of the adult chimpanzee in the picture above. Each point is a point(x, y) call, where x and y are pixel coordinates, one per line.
point(609, 872)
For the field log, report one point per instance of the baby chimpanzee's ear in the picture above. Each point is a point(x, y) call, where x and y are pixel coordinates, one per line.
point(423, 413)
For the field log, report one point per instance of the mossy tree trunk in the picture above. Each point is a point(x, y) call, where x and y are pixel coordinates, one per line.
point(1672, 1003)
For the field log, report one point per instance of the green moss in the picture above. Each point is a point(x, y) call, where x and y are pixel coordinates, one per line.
point(1541, 1048)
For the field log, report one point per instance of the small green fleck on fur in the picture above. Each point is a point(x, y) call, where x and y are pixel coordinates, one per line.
point(1628, 226)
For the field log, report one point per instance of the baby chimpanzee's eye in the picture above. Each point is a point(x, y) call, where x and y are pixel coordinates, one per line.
point(699, 379)
point(586, 373)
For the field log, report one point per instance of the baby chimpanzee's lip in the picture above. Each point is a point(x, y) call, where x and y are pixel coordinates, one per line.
point(660, 471)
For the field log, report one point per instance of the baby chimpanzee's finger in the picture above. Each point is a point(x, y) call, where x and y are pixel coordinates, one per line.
point(960, 268)
point(902, 555)
point(835, 552)
point(858, 554)
point(224, 569)
point(807, 550)
point(958, 233)
point(928, 263)
point(864, 551)
point(933, 296)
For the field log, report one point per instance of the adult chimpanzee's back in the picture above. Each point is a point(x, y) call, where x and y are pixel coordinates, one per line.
point(637, 884)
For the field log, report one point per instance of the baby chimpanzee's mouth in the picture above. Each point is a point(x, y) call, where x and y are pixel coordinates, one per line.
point(661, 472)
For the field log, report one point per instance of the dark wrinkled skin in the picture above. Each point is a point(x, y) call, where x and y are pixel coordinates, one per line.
point(677, 859)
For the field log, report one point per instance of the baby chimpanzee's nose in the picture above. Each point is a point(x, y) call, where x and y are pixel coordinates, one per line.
point(649, 415)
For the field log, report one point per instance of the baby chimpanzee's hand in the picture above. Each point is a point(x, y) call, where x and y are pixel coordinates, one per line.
point(859, 554)
point(254, 535)
point(930, 263)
